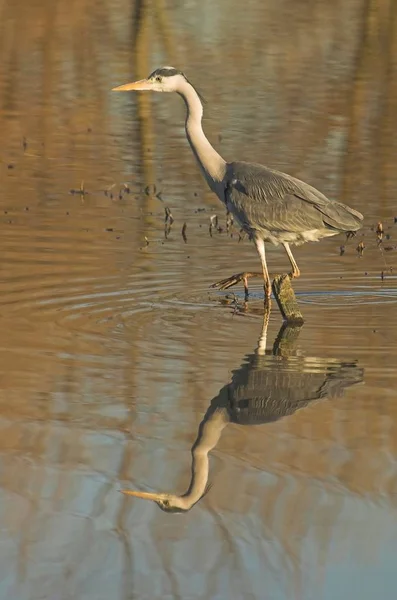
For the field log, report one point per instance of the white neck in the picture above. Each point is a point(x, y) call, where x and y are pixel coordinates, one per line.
point(209, 433)
point(211, 163)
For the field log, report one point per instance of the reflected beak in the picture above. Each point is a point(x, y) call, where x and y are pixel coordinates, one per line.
point(144, 495)
point(142, 84)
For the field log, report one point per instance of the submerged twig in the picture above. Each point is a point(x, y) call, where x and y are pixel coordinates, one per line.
point(109, 189)
point(168, 221)
point(379, 232)
point(229, 221)
point(80, 191)
point(360, 249)
point(168, 218)
point(213, 223)
point(184, 232)
point(150, 190)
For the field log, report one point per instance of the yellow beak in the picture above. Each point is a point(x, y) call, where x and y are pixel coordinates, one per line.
point(142, 84)
point(144, 495)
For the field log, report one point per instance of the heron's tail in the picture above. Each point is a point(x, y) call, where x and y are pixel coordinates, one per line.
point(341, 217)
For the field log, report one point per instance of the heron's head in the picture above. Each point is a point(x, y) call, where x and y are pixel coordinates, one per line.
point(167, 502)
point(165, 79)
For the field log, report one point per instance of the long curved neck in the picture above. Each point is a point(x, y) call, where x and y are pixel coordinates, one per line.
point(211, 163)
point(209, 433)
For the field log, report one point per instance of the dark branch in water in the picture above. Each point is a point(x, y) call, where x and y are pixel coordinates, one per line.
point(184, 232)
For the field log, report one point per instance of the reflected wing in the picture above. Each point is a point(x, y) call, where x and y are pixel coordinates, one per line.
point(262, 198)
point(267, 389)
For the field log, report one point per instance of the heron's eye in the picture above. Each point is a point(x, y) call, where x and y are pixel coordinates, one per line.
point(158, 78)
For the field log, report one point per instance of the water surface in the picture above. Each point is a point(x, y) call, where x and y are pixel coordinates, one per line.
point(113, 347)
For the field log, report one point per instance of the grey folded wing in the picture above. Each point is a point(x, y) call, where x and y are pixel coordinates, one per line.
point(262, 198)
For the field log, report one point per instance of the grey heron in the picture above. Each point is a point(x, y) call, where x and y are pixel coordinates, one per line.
point(269, 205)
point(269, 385)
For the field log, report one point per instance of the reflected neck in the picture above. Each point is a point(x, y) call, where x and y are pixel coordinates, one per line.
point(209, 433)
point(211, 163)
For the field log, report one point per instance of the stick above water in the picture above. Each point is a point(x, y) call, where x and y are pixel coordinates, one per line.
point(286, 299)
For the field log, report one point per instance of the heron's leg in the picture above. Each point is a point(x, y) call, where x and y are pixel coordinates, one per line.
point(295, 269)
point(260, 246)
point(261, 348)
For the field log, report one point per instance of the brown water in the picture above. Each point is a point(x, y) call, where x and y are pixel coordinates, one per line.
point(112, 347)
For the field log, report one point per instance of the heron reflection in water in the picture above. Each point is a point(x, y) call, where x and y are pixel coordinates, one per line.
point(269, 385)
point(269, 205)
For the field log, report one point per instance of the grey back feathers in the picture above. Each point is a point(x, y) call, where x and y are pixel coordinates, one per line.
point(265, 200)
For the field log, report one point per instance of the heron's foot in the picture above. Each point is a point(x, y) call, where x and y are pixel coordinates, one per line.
point(294, 274)
point(225, 284)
